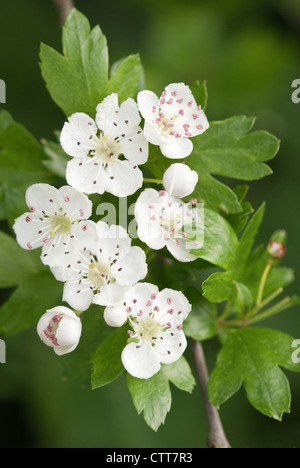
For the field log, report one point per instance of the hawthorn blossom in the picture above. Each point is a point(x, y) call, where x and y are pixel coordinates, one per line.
point(179, 180)
point(96, 148)
point(156, 338)
point(161, 221)
point(60, 328)
point(172, 119)
point(115, 316)
point(57, 221)
point(103, 274)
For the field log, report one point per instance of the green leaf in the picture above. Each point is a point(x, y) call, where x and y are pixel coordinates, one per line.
point(78, 80)
point(57, 159)
point(220, 240)
point(106, 361)
point(253, 357)
point(228, 148)
point(126, 77)
point(34, 295)
point(152, 397)
point(244, 299)
point(201, 324)
point(218, 287)
point(199, 90)
point(180, 375)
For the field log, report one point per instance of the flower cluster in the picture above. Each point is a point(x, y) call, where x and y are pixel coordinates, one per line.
point(98, 263)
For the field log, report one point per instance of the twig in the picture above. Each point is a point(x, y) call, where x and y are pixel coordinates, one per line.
point(216, 437)
point(64, 7)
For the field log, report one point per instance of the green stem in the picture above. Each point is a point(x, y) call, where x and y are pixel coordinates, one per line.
point(265, 302)
point(153, 181)
point(286, 303)
point(262, 283)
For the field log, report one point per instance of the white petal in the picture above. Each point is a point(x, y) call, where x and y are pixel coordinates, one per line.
point(85, 235)
point(113, 120)
point(74, 203)
point(152, 134)
point(32, 230)
point(69, 330)
point(78, 296)
point(147, 101)
point(115, 316)
point(125, 180)
point(114, 243)
point(180, 251)
point(43, 198)
point(140, 361)
point(135, 147)
point(171, 347)
point(78, 136)
point(132, 268)
point(176, 148)
point(110, 295)
point(86, 175)
point(173, 307)
point(138, 297)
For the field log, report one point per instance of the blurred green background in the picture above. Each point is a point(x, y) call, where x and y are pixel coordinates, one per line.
point(250, 53)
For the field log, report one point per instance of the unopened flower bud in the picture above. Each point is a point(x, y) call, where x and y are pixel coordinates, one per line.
point(60, 328)
point(277, 245)
point(179, 180)
point(276, 250)
point(115, 316)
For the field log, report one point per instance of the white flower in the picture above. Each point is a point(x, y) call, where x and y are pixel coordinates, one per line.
point(96, 148)
point(60, 328)
point(171, 120)
point(57, 221)
point(157, 337)
point(115, 316)
point(179, 180)
point(103, 274)
point(161, 220)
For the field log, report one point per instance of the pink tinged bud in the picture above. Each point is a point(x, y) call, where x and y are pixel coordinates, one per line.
point(276, 250)
point(67, 199)
point(28, 219)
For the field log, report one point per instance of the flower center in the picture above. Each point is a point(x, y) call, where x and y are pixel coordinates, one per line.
point(166, 125)
point(148, 329)
point(99, 274)
point(60, 224)
point(107, 150)
point(171, 225)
